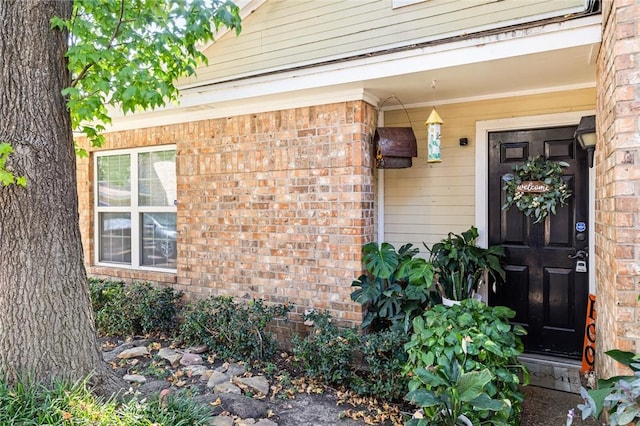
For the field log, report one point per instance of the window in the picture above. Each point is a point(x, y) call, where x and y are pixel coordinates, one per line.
point(136, 208)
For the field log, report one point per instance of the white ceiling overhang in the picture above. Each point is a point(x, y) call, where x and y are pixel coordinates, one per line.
point(549, 57)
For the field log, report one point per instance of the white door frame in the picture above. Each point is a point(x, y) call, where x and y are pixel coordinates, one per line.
point(482, 176)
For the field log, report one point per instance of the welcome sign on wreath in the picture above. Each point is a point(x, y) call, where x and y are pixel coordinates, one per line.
point(536, 188)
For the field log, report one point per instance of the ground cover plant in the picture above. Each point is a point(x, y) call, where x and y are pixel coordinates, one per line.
point(73, 404)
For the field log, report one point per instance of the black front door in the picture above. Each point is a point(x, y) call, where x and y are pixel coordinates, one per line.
point(545, 285)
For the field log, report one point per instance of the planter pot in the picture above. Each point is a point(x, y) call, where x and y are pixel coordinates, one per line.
point(449, 302)
point(464, 420)
point(461, 418)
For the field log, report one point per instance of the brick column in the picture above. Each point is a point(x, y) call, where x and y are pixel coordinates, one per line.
point(618, 183)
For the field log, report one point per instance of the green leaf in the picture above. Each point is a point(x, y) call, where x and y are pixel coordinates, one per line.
point(484, 402)
point(423, 398)
point(471, 385)
point(380, 261)
point(623, 357)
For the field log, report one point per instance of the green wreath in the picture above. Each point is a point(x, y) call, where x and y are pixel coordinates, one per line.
point(536, 188)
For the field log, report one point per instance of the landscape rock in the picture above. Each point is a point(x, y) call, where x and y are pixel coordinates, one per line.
point(109, 356)
point(206, 375)
point(265, 422)
point(244, 407)
point(191, 359)
point(221, 421)
point(196, 370)
point(200, 349)
point(135, 352)
point(152, 387)
point(216, 378)
point(227, 387)
point(134, 378)
point(246, 422)
point(171, 356)
point(232, 369)
point(258, 384)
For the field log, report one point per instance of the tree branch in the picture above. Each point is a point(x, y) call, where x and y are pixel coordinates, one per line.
point(116, 30)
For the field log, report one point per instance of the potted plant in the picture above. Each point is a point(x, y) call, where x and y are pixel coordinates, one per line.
point(462, 267)
point(463, 365)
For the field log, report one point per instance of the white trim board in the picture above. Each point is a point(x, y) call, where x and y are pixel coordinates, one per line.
point(482, 177)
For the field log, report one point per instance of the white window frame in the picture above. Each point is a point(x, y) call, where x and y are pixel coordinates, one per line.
point(134, 210)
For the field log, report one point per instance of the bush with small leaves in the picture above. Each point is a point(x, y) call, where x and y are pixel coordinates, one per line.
point(328, 351)
point(384, 357)
point(138, 308)
point(231, 330)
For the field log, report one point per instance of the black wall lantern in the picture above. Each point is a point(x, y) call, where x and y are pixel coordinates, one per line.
point(586, 136)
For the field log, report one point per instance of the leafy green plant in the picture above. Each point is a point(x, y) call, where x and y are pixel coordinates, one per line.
point(138, 308)
point(102, 291)
point(446, 392)
point(384, 357)
point(619, 396)
point(328, 351)
point(477, 337)
point(462, 266)
point(231, 330)
point(395, 286)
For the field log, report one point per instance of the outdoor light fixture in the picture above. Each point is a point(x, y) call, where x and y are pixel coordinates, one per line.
point(586, 136)
point(433, 137)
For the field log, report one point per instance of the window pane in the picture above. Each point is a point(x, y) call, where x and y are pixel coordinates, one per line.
point(158, 240)
point(114, 180)
point(157, 178)
point(115, 237)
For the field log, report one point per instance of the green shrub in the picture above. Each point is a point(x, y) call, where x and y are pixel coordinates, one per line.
point(395, 286)
point(328, 351)
point(133, 309)
point(465, 343)
point(102, 291)
point(65, 404)
point(231, 330)
point(384, 357)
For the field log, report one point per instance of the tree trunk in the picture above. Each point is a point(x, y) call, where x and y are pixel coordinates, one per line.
point(46, 322)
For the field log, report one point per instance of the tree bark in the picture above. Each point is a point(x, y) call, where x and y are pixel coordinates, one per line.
point(46, 323)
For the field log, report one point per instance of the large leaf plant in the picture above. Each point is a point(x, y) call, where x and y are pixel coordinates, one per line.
point(462, 266)
point(395, 287)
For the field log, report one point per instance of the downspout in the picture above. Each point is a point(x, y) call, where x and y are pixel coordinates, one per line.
point(380, 195)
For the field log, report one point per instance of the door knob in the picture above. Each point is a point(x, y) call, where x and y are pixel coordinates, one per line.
point(580, 254)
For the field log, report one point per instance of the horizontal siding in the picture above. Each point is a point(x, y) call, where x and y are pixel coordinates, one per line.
point(427, 201)
point(286, 33)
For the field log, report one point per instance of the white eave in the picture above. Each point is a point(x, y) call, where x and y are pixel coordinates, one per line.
point(542, 58)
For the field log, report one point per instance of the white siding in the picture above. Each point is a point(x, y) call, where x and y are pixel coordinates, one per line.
point(425, 202)
point(282, 34)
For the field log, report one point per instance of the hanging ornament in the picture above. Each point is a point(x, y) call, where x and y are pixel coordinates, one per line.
point(433, 137)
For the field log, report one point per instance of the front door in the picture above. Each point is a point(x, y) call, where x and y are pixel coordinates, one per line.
point(545, 285)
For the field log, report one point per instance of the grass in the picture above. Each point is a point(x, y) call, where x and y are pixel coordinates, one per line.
point(63, 404)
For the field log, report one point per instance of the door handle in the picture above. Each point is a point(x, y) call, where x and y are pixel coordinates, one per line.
point(580, 254)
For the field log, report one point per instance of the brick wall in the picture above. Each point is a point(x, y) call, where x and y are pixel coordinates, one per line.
point(618, 182)
point(274, 205)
